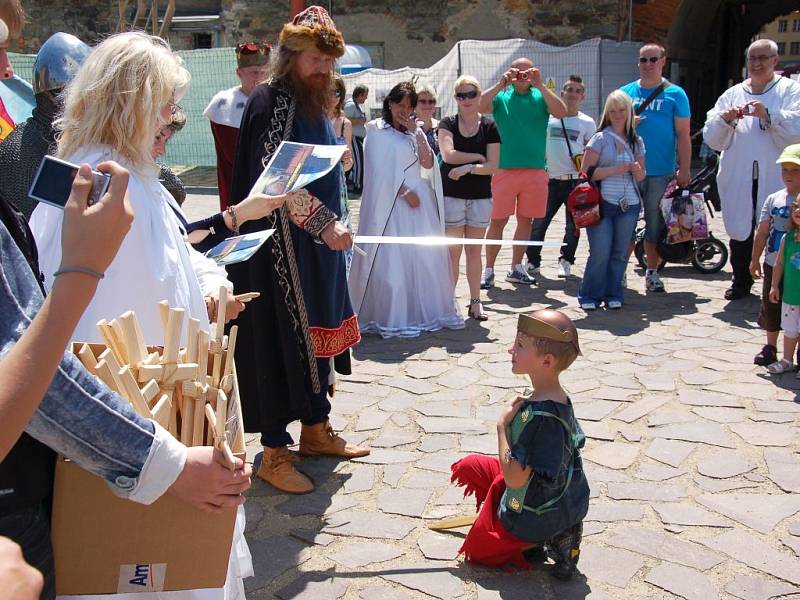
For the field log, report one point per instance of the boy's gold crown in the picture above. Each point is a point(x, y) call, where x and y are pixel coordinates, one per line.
point(549, 324)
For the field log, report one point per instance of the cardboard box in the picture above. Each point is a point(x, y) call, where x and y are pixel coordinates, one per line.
point(104, 544)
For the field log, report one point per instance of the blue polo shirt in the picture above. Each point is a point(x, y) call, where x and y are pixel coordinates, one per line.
point(657, 127)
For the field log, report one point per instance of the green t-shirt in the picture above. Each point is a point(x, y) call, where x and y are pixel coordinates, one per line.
point(522, 122)
point(791, 270)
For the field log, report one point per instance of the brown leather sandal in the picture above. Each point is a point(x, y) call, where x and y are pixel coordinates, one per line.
point(475, 310)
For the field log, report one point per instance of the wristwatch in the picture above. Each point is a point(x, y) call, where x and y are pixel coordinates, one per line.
point(509, 456)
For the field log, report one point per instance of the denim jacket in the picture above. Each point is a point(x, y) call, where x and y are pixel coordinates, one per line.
point(79, 417)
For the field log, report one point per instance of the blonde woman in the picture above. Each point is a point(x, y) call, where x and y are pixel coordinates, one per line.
point(120, 98)
point(614, 157)
point(426, 108)
point(470, 148)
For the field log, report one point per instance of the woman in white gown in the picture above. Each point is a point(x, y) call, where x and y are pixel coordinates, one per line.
point(401, 290)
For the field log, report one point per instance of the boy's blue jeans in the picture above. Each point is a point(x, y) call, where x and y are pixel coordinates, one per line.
point(608, 254)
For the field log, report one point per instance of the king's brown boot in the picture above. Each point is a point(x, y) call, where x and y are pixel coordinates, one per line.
point(277, 469)
point(321, 439)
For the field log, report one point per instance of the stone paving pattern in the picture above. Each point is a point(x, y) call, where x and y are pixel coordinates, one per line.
point(692, 455)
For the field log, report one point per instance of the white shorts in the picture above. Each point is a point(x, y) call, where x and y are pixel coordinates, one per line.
point(790, 320)
point(472, 213)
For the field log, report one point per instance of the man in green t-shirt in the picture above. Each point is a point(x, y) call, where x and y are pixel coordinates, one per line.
point(521, 106)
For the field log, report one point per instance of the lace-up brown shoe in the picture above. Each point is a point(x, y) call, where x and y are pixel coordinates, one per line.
point(277, 469)
point(321, 439)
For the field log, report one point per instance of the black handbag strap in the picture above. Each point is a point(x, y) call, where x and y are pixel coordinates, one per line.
point(649, 100)
point(566, 137)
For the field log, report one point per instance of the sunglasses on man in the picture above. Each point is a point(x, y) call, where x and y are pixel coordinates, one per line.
point(645, 59)
point(466, 95)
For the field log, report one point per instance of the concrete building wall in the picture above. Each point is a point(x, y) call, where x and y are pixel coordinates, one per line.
point(785, 30)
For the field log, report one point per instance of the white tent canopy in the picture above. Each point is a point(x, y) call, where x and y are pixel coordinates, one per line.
point(354, 59)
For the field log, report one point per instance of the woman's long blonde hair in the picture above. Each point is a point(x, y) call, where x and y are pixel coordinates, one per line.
point(616, 99)
point(117, 96)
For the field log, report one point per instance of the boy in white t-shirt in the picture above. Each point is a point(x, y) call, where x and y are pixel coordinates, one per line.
point(566, 139)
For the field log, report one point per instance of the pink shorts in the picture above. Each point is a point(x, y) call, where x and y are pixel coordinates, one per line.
point(519, 191)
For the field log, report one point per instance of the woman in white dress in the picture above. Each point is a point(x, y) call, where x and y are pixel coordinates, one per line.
point(401, 290)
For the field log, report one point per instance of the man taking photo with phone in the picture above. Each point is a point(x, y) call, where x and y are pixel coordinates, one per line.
point(521, 106)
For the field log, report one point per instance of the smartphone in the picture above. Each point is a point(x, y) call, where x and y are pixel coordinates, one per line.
point(53, 182)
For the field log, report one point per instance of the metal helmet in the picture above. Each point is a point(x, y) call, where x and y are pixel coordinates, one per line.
point(58, 60)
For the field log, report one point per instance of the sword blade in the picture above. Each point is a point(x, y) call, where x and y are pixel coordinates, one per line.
point(433, 240)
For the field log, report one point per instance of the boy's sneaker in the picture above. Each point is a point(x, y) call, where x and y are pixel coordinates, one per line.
point(518, 275)
point(537, 555)
point(487, 281)
point(653, 282)
point(564, 268)
point(532, 270)
point(767, 356)
point(565, 551)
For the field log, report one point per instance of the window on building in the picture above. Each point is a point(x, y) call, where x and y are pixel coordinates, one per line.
point(201, 40)
point(783, 24)
point(781, 48)
point(794, 48)
point(796, 25)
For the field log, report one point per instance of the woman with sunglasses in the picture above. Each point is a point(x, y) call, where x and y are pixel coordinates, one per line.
point(470, 148)
point(426, 107)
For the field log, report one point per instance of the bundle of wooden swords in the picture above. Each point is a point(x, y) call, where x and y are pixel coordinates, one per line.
point(191, 391)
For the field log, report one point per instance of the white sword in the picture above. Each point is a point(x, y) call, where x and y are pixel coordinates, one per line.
point(436, 240)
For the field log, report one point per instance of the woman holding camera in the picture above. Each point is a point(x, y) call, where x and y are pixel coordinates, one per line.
point(614, 157)
point(470, 147)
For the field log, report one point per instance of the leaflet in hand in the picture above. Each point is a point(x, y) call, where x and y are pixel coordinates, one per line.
point(239, 248)
point(294, 166)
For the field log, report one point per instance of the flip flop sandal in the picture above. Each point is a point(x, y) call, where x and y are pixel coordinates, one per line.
point(475, 310)
point(781, 366)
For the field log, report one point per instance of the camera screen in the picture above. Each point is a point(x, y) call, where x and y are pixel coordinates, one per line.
point(53, 183)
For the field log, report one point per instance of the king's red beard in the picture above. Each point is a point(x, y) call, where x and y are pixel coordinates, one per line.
point(312, 93)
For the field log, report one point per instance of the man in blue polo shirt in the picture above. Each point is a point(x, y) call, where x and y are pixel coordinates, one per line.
point(663, 125)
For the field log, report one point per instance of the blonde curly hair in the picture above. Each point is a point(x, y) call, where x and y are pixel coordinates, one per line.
point(118, 95)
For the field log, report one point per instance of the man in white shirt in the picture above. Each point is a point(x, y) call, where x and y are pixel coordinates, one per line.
point(566, 139)
point(226, 109)
point(751, 123)
point(353, 110)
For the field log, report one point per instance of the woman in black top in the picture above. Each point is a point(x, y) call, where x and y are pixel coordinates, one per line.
point(470, 148)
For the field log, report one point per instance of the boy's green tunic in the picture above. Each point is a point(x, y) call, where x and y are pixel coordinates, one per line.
point(546, 436)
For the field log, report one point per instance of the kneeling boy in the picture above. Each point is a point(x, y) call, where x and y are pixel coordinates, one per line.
point(534, 495)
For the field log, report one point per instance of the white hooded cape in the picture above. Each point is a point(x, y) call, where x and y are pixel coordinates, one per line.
point(385, 167)
point(153, 263)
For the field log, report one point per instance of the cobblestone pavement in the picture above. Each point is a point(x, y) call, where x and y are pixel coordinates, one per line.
point(692, 456)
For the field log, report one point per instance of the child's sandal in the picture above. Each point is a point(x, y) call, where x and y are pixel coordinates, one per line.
point(781, 366)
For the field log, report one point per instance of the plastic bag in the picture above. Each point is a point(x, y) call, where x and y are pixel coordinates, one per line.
point(684, 216)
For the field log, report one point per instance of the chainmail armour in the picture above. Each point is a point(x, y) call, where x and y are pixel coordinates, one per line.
point(23, 150)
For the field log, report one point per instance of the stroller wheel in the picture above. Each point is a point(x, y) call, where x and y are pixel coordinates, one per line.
point(710, 255)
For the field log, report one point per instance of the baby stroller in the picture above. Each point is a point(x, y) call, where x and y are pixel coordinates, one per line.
point(707, 255)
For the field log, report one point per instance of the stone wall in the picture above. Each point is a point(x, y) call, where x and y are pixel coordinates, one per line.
point(413, 32)
point(418, 33)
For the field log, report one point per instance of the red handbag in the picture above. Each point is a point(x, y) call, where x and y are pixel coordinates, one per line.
point(584, 203)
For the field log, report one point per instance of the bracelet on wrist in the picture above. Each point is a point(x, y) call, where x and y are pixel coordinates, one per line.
point(234, 221)
point(82, 270)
